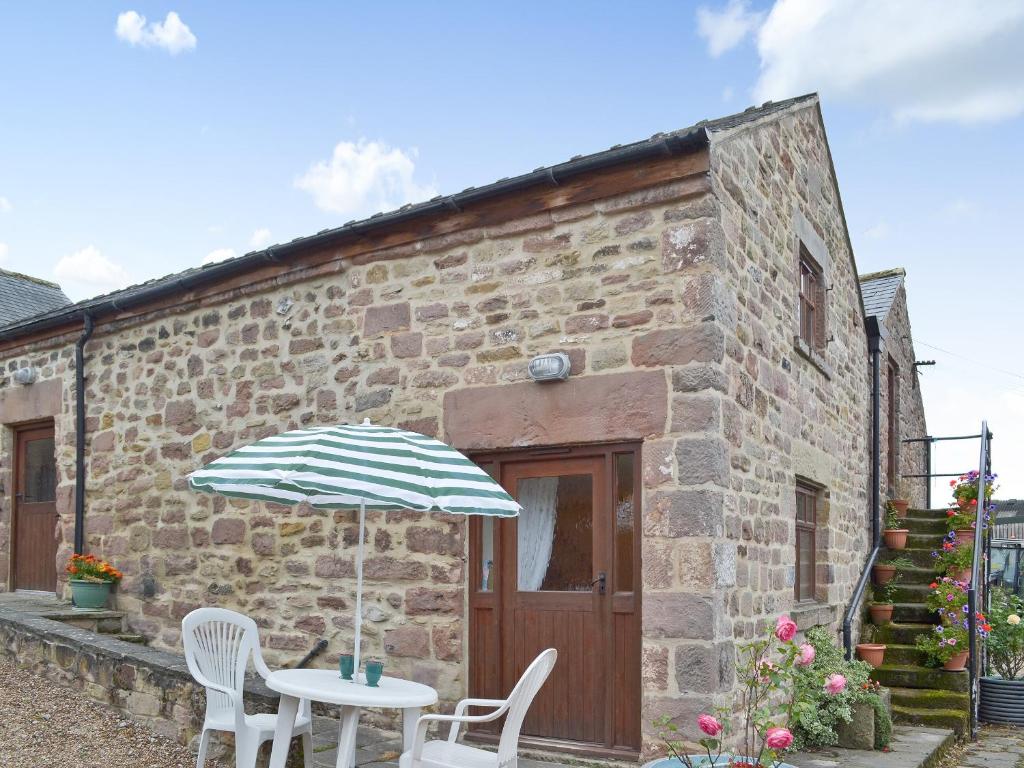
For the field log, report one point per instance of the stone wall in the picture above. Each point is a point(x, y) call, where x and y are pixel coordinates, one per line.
point(910, 406)
point(779, 411)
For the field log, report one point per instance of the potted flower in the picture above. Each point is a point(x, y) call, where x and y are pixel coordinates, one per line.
point(895, 536)
point(955, 562)
point(884, 571)
point(902, 502)
point(1002, 694)
point(882, 606)
point(868, 651)
point(947, 644)
point(91, 580)
point(961, 522)
point(767, 700)
point(965, 489)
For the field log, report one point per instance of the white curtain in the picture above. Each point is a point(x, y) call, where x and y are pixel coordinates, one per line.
point(537, 496)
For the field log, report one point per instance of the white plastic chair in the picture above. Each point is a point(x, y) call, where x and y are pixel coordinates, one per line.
point(449, 754)
point(218, 644)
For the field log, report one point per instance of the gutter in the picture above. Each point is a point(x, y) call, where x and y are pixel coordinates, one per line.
point(660, 145)
point(876, 334)
point(80, 435)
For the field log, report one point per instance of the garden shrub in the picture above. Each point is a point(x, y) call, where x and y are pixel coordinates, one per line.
point(815, 725)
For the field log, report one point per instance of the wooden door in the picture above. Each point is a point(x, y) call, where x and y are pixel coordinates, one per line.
point(563, 576)
point(35, 510)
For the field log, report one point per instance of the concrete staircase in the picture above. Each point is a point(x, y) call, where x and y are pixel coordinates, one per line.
point(921, 695)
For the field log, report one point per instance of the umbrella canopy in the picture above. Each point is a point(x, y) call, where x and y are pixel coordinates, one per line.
point(364, 466)
point(346, 466)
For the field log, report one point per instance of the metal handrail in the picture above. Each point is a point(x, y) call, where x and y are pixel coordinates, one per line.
point(979, 566)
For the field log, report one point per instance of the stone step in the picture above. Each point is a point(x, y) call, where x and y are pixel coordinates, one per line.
point(901, 634)
point(956, 719)
point(929, 541)
point(922, 558)
point(910, 676)
point(909, 592)
point(130, 638)
point(100, 622)
point(918, 575)
point(912, 613)
point(922, 698)
point(928, 526)
point(904, 654)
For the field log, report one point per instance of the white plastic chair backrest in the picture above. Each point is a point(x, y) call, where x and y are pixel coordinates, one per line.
point(519, 703)
point(218, 643)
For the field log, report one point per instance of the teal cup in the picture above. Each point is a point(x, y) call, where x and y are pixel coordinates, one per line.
point(374, 669)
point(346, 666)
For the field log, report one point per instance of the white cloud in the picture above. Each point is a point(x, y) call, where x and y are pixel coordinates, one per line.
point(924, 60)
point(725, 29)
point(364, 177)
point(961, 209)
point(5, 205)
point(90, 272)
point(220, 254)
point(260, 238)
point(4, 251)
point(878, 232)
point(172, 33)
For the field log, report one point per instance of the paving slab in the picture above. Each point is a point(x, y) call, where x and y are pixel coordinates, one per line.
point(911, 747)
point(996, 747)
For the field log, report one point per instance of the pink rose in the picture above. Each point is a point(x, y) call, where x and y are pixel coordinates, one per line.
point(709, 725)
point(806, 655)
point(785, 628)
point(835, 684)
point(778, 738)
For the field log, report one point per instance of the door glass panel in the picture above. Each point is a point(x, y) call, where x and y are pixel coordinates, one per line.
point(486, 583)
point(624, 522)
point(40, 471)
point(555, 533)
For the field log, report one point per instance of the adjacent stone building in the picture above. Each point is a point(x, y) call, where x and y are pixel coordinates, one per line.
point(710, 442)
point(902, 408)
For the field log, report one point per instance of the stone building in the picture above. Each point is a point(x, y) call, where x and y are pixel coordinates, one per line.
point(704, 467)
point(902, 411)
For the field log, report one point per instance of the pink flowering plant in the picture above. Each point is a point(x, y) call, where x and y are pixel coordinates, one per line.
point(767, 703)
point(948, 600)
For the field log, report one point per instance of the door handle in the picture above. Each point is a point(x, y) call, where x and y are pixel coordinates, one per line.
point(601, 581)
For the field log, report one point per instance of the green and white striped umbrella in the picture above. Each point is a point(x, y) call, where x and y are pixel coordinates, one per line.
point(345, 466)
point(364, 466)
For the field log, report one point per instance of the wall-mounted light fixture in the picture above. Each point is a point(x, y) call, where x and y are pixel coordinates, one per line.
point(26, 375)
point(553, 367)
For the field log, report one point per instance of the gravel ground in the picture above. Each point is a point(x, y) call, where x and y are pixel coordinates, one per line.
point(44, 725)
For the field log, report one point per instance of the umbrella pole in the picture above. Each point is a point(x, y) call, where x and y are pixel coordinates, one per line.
point(359, 588)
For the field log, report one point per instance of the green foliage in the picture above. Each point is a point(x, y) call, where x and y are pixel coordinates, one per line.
point(900, 563)
point(892, 520)
point(955, 559)
point(1006, 638)
point(883, 722)
point(818, 714)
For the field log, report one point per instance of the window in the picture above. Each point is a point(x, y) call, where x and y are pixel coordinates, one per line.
point(806, 534)
point(893, 415)
point(812, 302)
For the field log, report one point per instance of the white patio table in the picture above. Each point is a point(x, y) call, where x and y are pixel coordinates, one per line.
point(327, 686)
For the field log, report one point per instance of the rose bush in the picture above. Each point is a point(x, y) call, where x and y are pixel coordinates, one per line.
point(769, 701)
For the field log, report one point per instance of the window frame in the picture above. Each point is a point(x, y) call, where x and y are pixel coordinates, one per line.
point(807, 493)
point(810, 300)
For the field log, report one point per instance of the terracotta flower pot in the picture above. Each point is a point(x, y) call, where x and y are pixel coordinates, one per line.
point(957, 663)
point(964, 575)
point(872, 653)
point(901, 506)
point(883, 573)
point(881, 613)
point(895, 538)
point(964, 536)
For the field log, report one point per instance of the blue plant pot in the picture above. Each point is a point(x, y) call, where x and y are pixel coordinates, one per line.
point(702, 761)
point(90, 595)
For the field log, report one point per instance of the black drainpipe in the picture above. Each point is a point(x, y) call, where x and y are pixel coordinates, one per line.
point(80, 435)
point(875, 335)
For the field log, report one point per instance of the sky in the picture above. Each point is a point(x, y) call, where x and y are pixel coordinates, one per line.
point(140, 139)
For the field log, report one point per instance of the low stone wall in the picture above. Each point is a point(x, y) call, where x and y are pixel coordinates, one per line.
point(150, 687)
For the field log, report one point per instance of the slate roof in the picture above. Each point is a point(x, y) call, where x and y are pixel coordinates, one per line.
point(659, 144)
point(879, 291)
point(22, 297)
